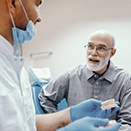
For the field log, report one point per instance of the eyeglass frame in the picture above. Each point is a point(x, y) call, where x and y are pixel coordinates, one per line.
point(97, 48)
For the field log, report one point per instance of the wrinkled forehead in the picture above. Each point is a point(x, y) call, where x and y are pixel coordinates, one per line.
point(104, 38)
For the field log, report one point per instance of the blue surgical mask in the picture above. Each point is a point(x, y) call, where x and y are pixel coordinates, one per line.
point(21, 36)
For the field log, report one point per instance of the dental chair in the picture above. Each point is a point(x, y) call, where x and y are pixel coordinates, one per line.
point(39, 109)
point(35, 92)
point(39, 77)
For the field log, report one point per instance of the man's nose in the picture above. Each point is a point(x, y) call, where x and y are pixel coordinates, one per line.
point(94, 51)
point(39, 18)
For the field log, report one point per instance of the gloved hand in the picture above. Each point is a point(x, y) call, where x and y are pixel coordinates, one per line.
point(90, 124)
point(91, 108)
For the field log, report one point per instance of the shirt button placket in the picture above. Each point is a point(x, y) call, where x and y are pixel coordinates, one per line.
point(96, 93)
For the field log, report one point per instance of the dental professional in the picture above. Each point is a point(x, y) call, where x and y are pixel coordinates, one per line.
point(17, 20)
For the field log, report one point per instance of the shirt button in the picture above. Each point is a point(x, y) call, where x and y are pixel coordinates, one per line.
point(95, 76)
point(97, 83)
point(96, 96)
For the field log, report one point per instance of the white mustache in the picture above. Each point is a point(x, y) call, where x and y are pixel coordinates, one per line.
point(94, 57)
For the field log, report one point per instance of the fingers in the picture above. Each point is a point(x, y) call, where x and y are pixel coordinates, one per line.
point(100, 122)
point(111, 111)
point(102, 114)
point(96, 102)
point(117, 102)
point(114, 110)
point(91, 104)
point(108, 112)
point(114, 127)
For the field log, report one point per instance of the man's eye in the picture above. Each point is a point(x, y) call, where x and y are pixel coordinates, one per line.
point(90, 46)
point(101, 48)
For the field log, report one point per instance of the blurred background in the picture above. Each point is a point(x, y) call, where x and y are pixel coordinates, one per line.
point(65, 27)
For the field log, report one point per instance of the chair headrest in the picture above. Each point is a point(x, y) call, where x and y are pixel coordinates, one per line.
point(39, 76)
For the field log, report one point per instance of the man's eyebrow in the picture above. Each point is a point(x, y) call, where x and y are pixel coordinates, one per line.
point(91, 43)
point(102, 45)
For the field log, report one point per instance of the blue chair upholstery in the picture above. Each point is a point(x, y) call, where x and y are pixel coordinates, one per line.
point(62, 105)
point(39, 110)
point(35, 92)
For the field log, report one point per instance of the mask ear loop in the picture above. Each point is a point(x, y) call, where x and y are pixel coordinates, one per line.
point(12, 19)
point(24, 10)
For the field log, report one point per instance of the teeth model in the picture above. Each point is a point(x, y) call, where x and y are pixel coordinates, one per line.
point(108, 104)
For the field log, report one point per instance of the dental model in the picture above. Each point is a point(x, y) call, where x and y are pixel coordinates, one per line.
point(108, 104)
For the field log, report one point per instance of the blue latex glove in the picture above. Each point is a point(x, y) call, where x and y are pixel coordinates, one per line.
point(90, 124)
point(91, 108)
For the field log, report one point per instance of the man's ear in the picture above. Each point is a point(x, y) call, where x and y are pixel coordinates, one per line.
point(113, 52)
point(11, 5)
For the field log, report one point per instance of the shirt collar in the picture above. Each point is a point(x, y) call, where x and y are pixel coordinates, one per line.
point(7, 48)
point(89, 73)
point(108, 75)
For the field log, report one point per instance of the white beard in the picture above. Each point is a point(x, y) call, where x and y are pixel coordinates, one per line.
point(97, 67)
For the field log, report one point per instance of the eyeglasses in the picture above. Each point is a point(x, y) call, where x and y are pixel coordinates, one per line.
point(99, 48)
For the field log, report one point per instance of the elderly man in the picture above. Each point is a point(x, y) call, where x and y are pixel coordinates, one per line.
point(17, 19)
point(98, 79)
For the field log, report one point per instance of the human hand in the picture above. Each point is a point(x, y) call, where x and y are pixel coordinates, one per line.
point(91, 108)
point(90, 124)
